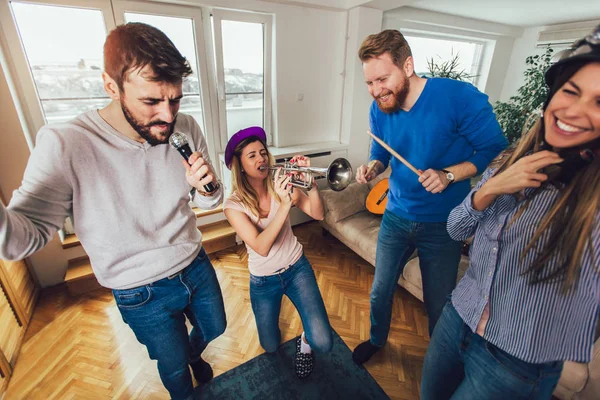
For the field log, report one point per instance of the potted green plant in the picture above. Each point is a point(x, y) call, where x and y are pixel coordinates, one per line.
point(513, 115)
point(448, 69)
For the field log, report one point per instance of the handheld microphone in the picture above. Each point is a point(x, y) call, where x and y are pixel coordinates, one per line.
point(179, 142)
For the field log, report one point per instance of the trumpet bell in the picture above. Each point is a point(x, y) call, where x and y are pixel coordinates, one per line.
point(339, 174)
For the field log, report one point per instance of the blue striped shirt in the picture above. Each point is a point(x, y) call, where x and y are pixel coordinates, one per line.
point(534, 322)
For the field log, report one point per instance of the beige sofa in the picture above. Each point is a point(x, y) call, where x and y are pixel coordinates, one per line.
point(351, 223)
point(348, 220)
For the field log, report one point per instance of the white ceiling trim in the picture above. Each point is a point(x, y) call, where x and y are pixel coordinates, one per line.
point(433, 18)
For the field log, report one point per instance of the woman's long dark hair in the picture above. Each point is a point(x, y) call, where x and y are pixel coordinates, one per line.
point(567, 228)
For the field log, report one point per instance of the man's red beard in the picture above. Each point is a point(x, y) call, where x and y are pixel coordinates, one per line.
point(399, 97)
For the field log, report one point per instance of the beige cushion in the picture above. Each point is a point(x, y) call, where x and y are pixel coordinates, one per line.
point(412, 289)
point(592, 388)
point(341, 205)
point(369, 230)
point(574, 376)
point(412, 271)
point(358, 232)
point(360, 229)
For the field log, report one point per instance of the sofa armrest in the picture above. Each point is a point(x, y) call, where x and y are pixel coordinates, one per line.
point(592, 388)
point(343, 204)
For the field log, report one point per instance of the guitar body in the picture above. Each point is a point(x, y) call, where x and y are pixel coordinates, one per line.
point(377, 198)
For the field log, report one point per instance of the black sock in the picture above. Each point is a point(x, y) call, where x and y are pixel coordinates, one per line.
point(364, 351)
point(202, 371)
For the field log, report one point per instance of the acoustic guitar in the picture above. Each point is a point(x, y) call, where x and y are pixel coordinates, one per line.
point(378, 197)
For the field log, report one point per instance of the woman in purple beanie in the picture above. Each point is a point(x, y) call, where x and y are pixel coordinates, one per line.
point(258, 209)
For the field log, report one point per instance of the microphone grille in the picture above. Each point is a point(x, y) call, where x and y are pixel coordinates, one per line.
point(178, 139)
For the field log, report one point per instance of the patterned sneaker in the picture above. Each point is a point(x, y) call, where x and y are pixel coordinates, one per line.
point(304, 362)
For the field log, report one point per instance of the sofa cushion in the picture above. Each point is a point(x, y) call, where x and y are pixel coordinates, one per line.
point(341, 205)
point(412, 271)
point(358, 232)
point(368, 227)
point(574, 376)
point(360, 228)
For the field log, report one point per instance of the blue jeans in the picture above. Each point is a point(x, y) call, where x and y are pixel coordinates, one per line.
point(460, 364)
point(299, 284)
point(156, 314)
point(439, 256)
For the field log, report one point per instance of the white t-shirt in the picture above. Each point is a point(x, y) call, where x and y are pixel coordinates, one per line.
point(285, 251)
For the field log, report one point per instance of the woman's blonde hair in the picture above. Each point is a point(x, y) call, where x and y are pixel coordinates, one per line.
point(567, 228)
point(240, 185)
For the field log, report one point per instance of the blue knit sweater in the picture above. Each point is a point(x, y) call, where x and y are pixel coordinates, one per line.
point(451, 122)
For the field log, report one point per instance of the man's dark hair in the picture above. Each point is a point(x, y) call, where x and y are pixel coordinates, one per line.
point(135, 45)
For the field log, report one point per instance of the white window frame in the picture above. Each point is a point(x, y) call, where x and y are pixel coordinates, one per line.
point(209, 63)
point(15, 63)
point(267, 20)
point(478, 61)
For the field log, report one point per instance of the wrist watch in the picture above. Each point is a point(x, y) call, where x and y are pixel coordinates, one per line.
point(449, 176)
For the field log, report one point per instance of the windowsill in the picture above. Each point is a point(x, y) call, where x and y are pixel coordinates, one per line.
point(290, 151)
point(304, 149)
point(73, 241)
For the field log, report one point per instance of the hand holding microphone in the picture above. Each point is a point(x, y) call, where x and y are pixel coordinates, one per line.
point(198, 171)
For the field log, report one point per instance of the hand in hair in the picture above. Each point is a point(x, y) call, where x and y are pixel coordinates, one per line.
point(523, 174)
point(283, 187)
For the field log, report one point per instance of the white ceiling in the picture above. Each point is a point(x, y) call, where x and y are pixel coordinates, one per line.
point(522, 13)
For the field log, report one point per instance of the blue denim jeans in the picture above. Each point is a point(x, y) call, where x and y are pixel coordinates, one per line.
point(299, 284)
point(439, 256)
point(460, 364)
point(156, 314)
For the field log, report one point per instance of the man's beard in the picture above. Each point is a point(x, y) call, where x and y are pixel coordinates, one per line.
point(399, 95)
point(144, 130)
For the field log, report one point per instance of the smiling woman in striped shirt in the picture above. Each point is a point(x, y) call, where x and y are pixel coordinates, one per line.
point(531, 296)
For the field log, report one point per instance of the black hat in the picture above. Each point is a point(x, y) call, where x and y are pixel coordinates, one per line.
point(581, 52)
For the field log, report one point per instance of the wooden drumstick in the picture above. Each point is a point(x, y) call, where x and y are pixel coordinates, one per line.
point(392, 152)
point(370, 169)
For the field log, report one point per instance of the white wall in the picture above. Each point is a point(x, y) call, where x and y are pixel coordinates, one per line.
point(309, 59)
point(523, 47)
point(498, 39)
point(559, 34)
point(357, 100)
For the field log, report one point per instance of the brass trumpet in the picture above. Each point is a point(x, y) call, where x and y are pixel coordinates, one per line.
point(338, 174)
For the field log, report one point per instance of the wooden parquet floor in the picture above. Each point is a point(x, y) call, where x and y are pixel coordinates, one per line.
point(79, 347)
